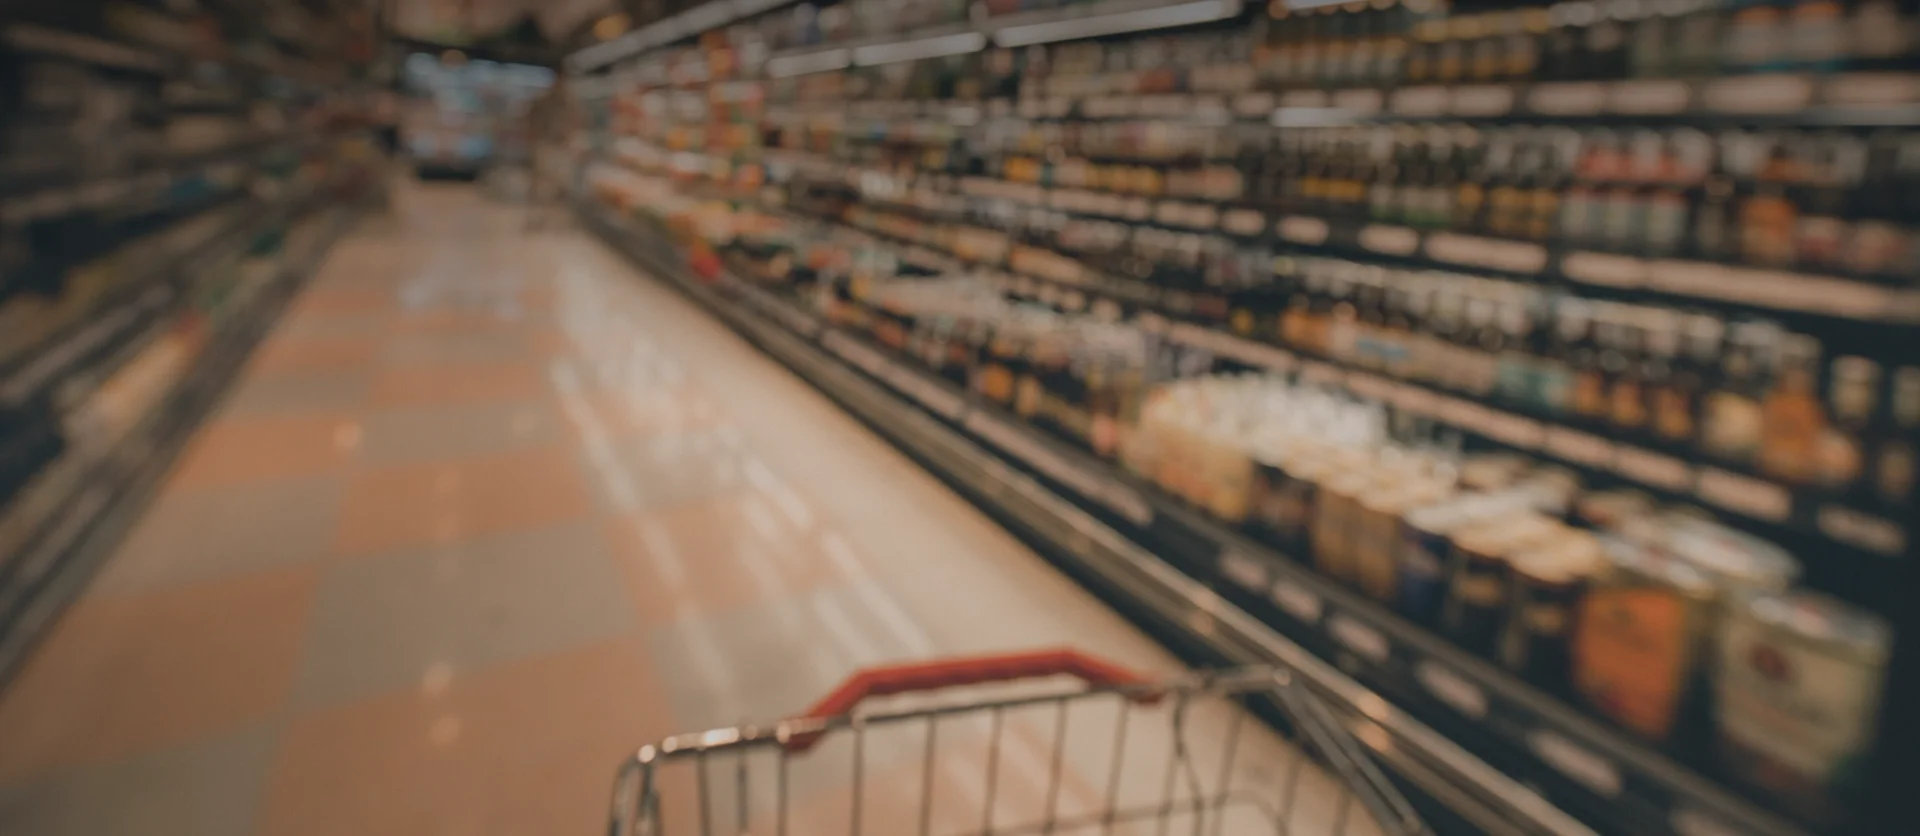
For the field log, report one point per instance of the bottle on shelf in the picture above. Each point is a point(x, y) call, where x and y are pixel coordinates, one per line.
point(1853, 392)
point(1732, 423)
point(1793, 419)
point(1895, 463)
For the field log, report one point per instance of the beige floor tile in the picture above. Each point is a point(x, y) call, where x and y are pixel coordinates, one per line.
point(490, 347)
point(371, 326)
point(342, 300)
point(408, 618)
point(124, 673)
point(308, 393)
point(250, 448)
point(456, 321)
point(694, 557)
point(324, 355)
point(655, 410)
point(201, 534)
point(421, 434)
point(456, 383)
point(436, 504)
point(523, 748)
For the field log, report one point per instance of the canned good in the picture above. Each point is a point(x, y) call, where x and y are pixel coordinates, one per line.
point(1798, 689)
point(1229, 476)
point(1638, 637)
point(1282, 493)
point(1479, 600)
point(1335, 511)
point(1424, 548)
point(1549, 579)
point(1376, 535)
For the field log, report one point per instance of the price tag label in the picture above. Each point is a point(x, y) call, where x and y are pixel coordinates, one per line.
point(1775, 289)
point(1419, 401)
point(1243, 222)
point(1243, 571)
point(1391, 240)
point(1359, 102)
point(1875, 534)
point(1420, 101)
point(1456, 412)
point(1296, 600)
point(1369, 386)
point(1759, 94)
point(1304, 98)
point(1451, 688)
point(1648, 98)
point(1753, 497)
point(1579, 447)
point(1481, 100)
point(1359, 637)
point(1604, 269)
point(1506, 427)
point(1872, 90)
point(1512, 256)
point(1652, 468)
point(1314, 371)
point(1301, 229)
point(1590, 770)
point(1567, 98)
point(1253, 105)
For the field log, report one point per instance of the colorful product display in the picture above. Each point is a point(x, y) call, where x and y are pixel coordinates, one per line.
point(1112, 240)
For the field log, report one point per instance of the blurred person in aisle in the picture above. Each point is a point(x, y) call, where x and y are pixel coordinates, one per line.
point(551, 122)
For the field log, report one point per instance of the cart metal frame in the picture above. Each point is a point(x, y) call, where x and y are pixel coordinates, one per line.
point(637, 791)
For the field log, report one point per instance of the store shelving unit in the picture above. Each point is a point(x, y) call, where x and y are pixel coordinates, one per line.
point(194, 185)
point(1581, 763)
point(969, 444)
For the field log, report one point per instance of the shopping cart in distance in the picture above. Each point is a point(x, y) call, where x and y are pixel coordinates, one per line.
point(1040, 742)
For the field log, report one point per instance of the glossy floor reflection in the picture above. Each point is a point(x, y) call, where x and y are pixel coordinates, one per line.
point(487, 511)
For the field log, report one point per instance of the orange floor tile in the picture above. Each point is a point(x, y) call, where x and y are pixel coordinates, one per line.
point(490, 510)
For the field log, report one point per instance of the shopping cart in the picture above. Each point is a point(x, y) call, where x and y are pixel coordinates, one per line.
point(944, 758)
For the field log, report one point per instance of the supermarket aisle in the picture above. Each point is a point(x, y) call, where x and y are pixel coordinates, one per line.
point(486, 512)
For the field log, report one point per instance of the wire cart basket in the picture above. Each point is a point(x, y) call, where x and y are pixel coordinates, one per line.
point(1040, 742)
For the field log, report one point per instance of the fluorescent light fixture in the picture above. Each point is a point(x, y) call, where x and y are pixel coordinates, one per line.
point(914, 50)
point(1137, 20)
point(812, 62)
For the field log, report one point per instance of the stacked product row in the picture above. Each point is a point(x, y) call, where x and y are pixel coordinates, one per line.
point(1050, 227)
point(1659, 618)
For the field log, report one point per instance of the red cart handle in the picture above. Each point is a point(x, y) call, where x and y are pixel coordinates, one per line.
point(968, 670)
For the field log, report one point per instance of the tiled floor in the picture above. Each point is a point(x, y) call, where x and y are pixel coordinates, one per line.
point(489, 510)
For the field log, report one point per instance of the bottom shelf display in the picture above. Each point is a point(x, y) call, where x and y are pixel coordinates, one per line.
point(1488, 594)
point(112, 426)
